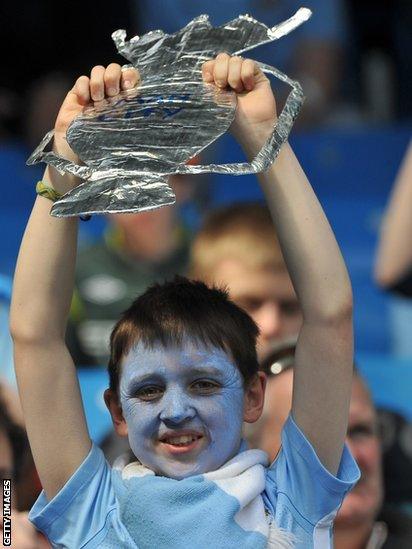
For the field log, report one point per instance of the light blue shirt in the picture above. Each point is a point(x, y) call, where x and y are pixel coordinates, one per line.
point(300, 494)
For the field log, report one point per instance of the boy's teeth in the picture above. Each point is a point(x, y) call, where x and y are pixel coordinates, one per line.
point(184, 439)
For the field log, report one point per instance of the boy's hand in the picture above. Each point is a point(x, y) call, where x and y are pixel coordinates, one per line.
point(256, 105)
point(102, 83)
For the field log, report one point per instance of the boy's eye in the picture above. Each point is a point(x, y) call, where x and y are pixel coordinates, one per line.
point(204, 386)
point(150, 392)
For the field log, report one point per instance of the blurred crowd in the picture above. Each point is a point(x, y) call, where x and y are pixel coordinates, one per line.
point(354, 60)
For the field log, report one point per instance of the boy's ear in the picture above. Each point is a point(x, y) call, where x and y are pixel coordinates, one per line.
point(112, 403)
point(254, 398)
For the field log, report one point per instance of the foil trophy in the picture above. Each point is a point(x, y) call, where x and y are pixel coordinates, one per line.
point(131, 143)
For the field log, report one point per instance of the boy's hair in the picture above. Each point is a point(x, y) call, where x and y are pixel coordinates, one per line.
point(242, 231)
point(170, 312)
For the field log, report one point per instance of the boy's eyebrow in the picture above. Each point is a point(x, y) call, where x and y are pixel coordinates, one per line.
point(207, 370)
point(155, 376)
point(195, 371)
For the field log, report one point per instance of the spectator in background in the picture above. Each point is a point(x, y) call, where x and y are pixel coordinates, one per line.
point(13, 447)
point(362, 521)
point(137, 250)
point(393, 267)
point(393, 263)
point(312, 54)
point(237, 247)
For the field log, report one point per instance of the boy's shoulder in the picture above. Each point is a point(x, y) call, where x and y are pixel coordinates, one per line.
point(300, 492)
point(83, 509)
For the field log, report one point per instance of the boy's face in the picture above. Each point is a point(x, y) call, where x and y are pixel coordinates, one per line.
point(183, 407)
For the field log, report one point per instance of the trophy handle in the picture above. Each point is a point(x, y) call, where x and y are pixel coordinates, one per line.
point(271, 148)
point(61, 164)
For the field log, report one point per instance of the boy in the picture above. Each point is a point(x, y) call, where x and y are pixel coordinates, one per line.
point(184, 375)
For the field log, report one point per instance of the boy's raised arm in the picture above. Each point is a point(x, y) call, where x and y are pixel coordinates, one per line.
point(42, 292)
point(324, 353)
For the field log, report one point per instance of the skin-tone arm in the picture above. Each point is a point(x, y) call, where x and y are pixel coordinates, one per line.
point(394, 256)
point(324, 353)
point(43, 287)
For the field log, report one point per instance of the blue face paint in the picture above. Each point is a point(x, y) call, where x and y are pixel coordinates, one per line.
point(183, 407)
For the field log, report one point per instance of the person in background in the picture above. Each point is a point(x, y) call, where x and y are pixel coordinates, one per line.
point(362, 522)
point(135, 251)
point(13, 446)
point(312, 54)
point(393, 265)
point(393, 261)
point(237, 247)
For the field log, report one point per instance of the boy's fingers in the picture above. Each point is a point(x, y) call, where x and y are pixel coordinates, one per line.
point(97, 83)
point(207, 71)
point(234, 78)
point(248, 72)
point(129, 78)
point(112, 76)
point(82, 90)
point(221, 70)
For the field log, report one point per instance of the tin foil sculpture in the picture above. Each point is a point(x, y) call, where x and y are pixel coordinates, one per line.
point(131, 143)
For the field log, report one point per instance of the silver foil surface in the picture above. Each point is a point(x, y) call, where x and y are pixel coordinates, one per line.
point(130, 144)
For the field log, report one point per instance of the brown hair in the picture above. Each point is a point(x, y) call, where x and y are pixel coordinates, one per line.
point(169, 312)
point(243, 231)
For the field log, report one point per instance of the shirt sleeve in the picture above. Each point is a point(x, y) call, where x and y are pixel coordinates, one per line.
point(302, 484)
point(79, 512)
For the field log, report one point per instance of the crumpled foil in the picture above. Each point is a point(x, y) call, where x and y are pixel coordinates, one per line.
point(131, 143)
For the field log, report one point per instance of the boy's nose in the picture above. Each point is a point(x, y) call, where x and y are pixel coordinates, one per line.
point(176, 408)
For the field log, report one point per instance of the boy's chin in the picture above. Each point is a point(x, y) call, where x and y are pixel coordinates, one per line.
point(178, 469)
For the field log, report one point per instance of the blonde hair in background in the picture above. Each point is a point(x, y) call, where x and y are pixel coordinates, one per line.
point(241, 231)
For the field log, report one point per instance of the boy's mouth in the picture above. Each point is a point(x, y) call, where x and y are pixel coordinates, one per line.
point(179, 443)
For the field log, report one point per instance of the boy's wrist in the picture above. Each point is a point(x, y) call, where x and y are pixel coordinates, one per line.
point(60, 183)
point(66, 182)
point(252, 138)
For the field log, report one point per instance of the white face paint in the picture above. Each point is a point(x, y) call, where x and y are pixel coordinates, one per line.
point(183, 407)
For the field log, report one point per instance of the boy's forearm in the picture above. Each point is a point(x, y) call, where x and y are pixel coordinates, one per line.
point(324, 351)
point(309, 247)
point(43, 282)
